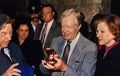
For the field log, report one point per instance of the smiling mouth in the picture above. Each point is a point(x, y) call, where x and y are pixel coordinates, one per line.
point(66, 35)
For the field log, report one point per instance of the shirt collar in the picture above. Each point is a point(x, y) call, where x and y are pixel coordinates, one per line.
point(76, 38)
point(49, 23)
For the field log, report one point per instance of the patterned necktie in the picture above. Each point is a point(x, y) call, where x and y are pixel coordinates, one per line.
point(66, 52)
point(43, 34)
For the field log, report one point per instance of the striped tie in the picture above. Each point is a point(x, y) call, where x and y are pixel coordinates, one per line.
point(66, 52)
point(43, 34)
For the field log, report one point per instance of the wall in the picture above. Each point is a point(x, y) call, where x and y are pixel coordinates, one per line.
point(88, 7)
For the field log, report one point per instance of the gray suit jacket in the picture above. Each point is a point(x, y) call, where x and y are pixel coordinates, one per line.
point(82, 61)
point(55, 31)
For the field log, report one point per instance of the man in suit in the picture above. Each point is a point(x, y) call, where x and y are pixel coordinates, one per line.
point(82, 52)
point(31, 49)
point(34, 19)
point(10, 54)
point(53, 27)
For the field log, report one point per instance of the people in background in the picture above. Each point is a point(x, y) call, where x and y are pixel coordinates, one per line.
point(84, 28)
point(82, 56)
point(34, 19)
point(92, 34)
point(31, 49)
point(108, 34)
point(10, 53)
point(53, 28)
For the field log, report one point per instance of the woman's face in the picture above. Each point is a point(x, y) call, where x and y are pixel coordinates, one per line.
point(104, 35)
point(23, 32)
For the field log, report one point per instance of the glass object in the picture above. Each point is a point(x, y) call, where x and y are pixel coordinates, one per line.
point(49, 53)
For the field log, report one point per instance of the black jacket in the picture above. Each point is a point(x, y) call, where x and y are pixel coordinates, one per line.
point(15, 54)
point(110, 65)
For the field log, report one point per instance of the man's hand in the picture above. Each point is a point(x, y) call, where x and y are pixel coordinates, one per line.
point(12, 71)
point(58, 66)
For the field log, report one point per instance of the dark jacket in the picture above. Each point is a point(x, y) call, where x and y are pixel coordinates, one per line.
point(15, 54)
point(55, 31)
point(110, 65)
point(32, 51)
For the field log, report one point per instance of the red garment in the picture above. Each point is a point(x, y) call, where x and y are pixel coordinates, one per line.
point(108, 48)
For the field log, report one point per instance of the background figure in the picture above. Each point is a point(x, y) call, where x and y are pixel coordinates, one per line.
point(34, 19)
point(18, 19)
point(84, 28)
point(9, 52)
point(108, 33)
point(82, 52)
point(53, 27)
point(92, 35)
point(31, 49)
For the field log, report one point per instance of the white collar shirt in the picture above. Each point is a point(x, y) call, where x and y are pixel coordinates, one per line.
point(72, 45)
point(49, 25)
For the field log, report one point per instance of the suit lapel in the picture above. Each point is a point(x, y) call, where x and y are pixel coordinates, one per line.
point(61, 48)
point(38, 31)
point(77, 51)
point(50, 34)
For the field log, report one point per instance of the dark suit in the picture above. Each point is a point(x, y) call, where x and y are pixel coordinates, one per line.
point(82, 60)
point(32, 51)
point(55, 31)
point(110, 65)
point(31, 30)
point(15, 53)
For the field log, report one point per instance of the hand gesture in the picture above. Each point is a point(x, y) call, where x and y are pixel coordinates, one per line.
point(58, 66)
point(12, 71)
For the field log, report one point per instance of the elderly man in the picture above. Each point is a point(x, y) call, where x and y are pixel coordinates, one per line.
point(10, 54)
point(75, 55)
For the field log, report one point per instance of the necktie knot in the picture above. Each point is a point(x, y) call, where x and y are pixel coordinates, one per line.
point(45, 28)
point(68, 42)
point(45, 24)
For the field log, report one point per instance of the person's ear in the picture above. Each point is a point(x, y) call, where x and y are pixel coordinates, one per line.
point(53, 13)
point(79, 26)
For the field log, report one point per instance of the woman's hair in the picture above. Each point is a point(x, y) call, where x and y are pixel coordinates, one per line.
point(4, 20)
point(113, 23)
point(21, 20)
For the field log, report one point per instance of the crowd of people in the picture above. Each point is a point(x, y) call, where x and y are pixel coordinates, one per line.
point(77, 51)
